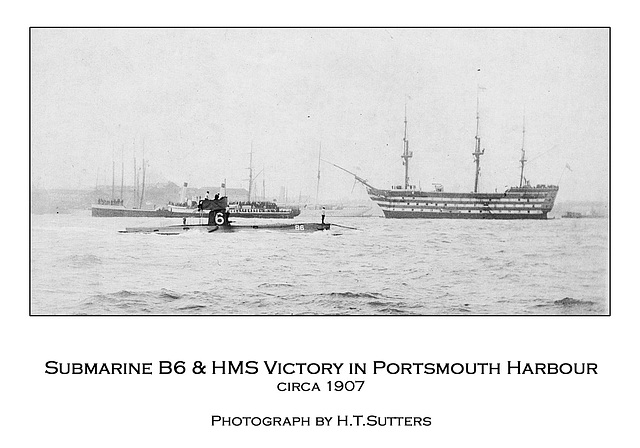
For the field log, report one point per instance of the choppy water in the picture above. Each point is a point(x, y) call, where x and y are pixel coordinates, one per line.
point(82, 265)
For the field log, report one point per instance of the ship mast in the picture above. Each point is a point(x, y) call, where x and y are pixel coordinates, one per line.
point(144, 172)
point(318, 185)
point(122, 178)
point(477, 153)
point(113, 173)
point(250, 172)
point(406, 154)
point(135, 179)
point(522, 159)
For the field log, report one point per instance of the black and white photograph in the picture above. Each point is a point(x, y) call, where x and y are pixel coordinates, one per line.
point(319, 171)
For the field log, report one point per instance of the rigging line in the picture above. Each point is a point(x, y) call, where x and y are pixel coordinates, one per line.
point(345, 227)
point(541, 154)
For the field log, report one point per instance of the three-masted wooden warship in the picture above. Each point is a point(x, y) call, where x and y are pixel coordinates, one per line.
point(522, 202)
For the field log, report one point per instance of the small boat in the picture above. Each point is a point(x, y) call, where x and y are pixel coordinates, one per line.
point(217, 220)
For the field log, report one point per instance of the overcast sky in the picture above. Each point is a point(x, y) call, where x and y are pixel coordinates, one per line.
point(199, 99)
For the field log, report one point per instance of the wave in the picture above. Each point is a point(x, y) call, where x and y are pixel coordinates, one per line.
point(461, 310)
point(168, 294)
point(275, 285)
point(569, 301)
point(191, 307)
point(394, 310)
point(377, 303)
point(81, 261)
point(124, 293)
point(356, 295)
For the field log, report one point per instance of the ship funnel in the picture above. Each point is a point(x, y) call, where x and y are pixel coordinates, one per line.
point(183, 195)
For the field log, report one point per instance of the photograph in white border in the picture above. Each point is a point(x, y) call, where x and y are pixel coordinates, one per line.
point(320, 171)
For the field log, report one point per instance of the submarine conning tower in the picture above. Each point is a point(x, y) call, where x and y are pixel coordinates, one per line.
point(218, 214)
